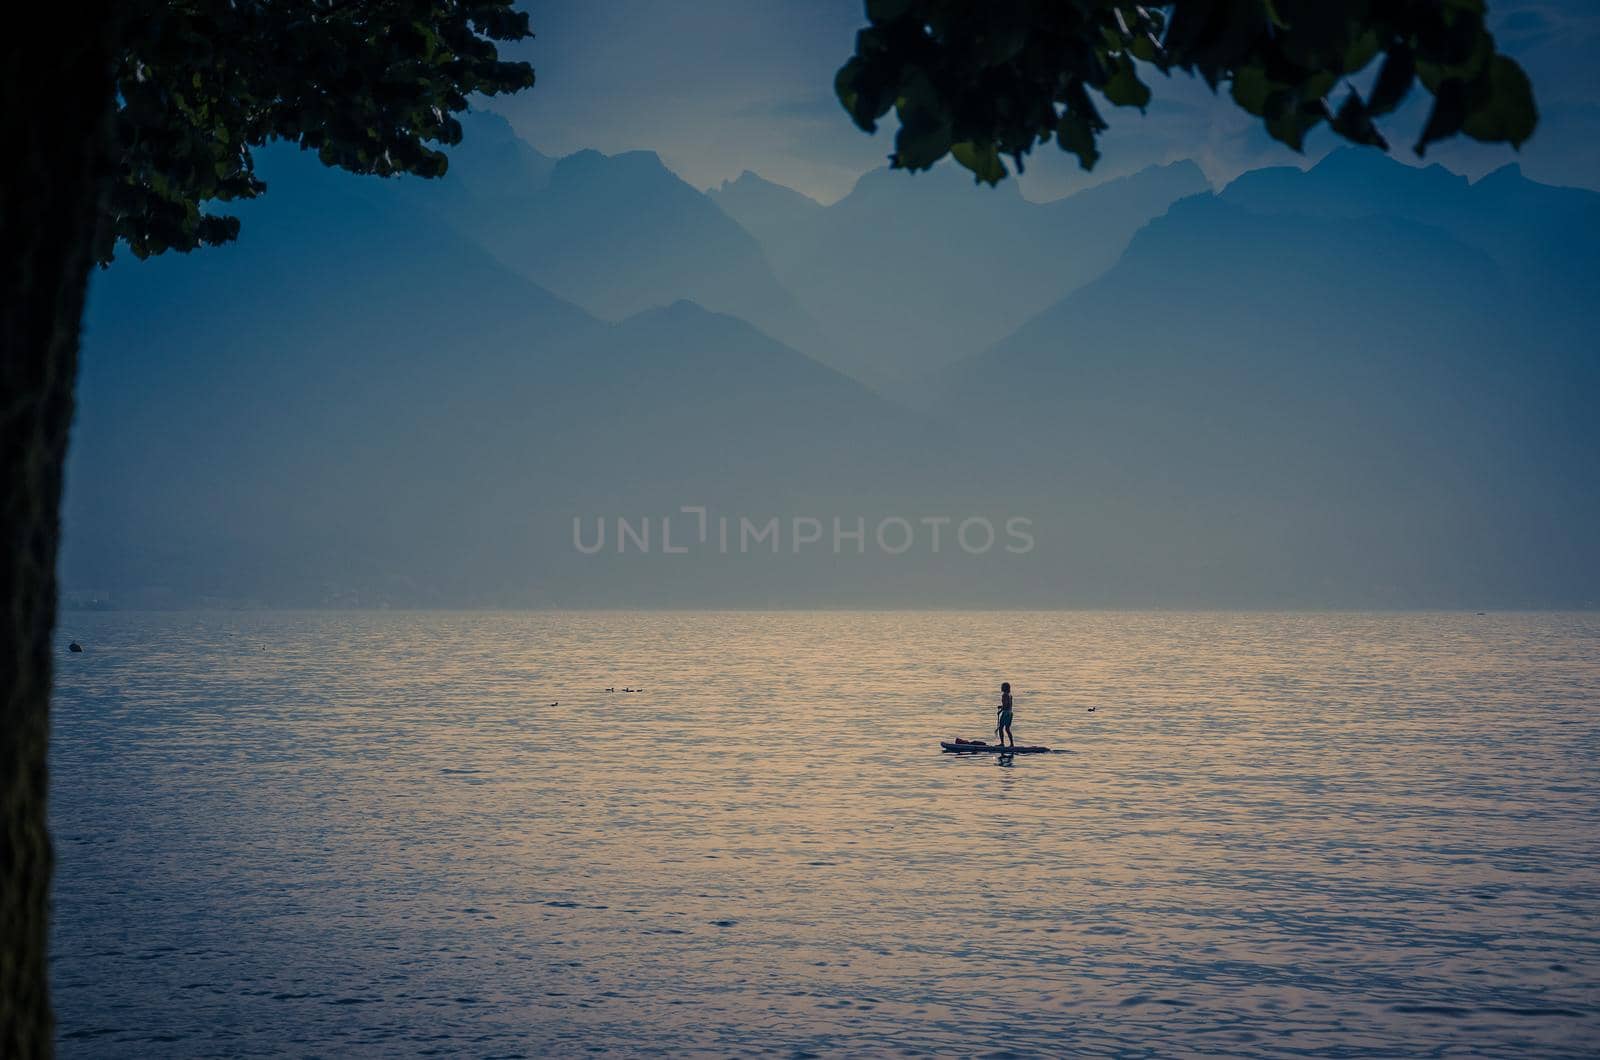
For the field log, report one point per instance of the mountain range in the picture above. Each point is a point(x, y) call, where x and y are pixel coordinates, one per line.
point(1360, 385)
point(1365, 376)
point(911, 272)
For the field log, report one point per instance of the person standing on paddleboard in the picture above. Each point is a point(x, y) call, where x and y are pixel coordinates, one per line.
point(1002, 729)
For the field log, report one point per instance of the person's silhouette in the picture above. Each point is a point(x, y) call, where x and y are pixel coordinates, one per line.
point(1002, 729)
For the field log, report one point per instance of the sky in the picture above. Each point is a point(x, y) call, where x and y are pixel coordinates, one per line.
point(720, 86)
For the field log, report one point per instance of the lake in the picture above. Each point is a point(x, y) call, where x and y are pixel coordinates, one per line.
point(379, 834)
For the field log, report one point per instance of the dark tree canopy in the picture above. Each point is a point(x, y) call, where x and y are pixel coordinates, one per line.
point(981, 79)
point(369, 85)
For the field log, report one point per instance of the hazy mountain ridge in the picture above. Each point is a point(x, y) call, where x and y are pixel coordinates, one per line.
point(1282, 397)
point(912, 271)
point(906, 272)
point(770, 212)
point(1354, 383)
point(1542, 235)
point(356, 404)
point(613, 234)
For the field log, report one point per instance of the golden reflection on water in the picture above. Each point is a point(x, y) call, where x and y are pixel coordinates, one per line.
point(1276, 832)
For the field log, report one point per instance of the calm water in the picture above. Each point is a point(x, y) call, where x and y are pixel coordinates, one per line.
point(377, 834)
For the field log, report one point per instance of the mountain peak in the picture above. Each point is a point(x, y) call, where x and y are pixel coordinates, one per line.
point(641, 159)
point(589, 165)
point(686, 312)
point(944, 179)
point(1184, 173)
point(1365, 164)
point(747, 179)
point(492, 156)
point(1185, 168)
point(1508, 174)
point(487, 125)
point(751, 185)
point(678, 309)
point(767, 210)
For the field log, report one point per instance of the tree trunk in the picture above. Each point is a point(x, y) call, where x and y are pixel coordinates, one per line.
point(57, 83)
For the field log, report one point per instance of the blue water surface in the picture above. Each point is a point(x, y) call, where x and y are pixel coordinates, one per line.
point(382, 834)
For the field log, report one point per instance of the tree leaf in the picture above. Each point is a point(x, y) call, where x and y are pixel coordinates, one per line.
point(1124, 88)
point(1449, 111)
point(881, 11)
point(1075, 134)
point(1291, 123)
point(1251, 88)
point(1502, 105)
point(1364, 47)
point(1399, 69)
point(982, 159)
point(1354, 123)
point(846, 85)
point(924, 135)
point(1318, 84)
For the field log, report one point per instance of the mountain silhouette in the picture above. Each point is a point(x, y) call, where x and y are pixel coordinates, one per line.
point(1345, 387)
point(912, 271)
point(357, 404)
point(614, 234)
point(771, 212)
point(1331, 375)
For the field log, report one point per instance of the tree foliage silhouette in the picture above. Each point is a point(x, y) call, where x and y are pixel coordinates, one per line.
point(122, 122)
point(985, 79)
point(371, 87)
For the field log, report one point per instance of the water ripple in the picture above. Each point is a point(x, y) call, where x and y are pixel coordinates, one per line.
point(435, 834)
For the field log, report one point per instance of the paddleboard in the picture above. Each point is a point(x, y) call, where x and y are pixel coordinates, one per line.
point(979, 747)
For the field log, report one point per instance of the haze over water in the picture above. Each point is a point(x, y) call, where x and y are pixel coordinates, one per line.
point(413, 833)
